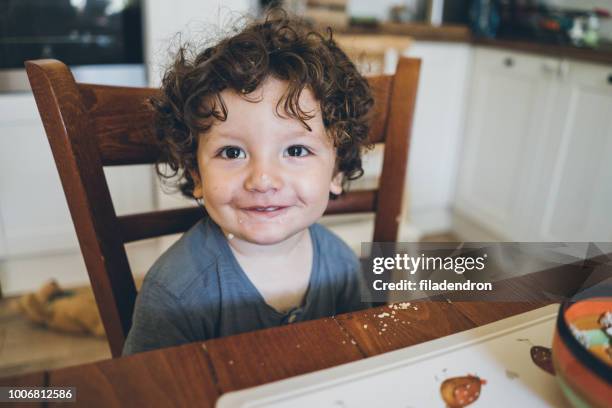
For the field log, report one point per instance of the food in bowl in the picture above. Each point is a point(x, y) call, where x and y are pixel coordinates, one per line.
point(581, 352)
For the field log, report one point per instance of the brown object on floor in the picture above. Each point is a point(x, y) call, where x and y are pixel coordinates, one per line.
point(91, 126)
point(26, 347)
point(72, 311)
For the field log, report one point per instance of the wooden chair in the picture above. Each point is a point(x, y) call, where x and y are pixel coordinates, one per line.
point(91, 126)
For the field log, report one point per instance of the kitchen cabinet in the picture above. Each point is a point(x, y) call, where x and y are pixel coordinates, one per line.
point(436, 133)
point(33, 209)
point(577, 180)
point(533, 163)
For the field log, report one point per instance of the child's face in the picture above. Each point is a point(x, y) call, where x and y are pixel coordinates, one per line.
point(265, 177)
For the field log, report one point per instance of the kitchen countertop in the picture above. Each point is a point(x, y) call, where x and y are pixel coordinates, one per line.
point(418, 31)
point(462, 33)
point(601, 55)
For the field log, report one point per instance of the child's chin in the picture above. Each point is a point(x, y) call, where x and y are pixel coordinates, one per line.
point(263, 237)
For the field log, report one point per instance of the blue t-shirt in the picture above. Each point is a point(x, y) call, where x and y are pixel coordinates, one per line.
point(197, 291)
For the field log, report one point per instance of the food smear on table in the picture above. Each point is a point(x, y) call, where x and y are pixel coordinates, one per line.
point(458, 392)
point(541, 357)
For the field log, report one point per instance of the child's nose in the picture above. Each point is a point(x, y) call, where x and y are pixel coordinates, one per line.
point(263, 178)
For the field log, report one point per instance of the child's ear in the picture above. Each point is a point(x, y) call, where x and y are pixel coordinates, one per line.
point(197, 184)
point(335, 186)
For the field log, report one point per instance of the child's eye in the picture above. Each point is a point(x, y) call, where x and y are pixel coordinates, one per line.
point(297, 151)
point(232, 152)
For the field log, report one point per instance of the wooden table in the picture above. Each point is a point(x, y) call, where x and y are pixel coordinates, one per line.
point(197, 374)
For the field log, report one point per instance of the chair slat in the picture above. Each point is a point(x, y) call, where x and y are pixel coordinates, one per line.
point(353, 202)
point(402, 100)
point(381, 88)
point(122, 122)
point(107, 99)
point(135, 227)
point(120, 145)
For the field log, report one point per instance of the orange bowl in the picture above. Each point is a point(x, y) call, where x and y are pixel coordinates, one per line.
point(584, 376)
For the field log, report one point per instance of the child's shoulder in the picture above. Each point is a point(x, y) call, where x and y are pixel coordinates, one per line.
point(331, 244)
point(337, 262)
point(190, 260)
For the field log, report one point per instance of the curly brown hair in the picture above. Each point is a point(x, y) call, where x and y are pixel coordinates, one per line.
point(279, 45)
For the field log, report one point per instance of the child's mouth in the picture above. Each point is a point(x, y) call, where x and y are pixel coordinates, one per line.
point(265, 211)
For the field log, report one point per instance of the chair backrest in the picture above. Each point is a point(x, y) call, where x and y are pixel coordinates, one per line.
point(91, 126)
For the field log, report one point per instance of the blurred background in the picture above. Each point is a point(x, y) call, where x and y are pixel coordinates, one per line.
point(511, 141)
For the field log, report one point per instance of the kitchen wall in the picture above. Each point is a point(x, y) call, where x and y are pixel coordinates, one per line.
point(194, 19)
point(380, 9)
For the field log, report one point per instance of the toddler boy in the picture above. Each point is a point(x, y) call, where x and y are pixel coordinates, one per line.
point(261, 128)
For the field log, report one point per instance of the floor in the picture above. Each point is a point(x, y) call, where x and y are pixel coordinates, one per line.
point(26, 347)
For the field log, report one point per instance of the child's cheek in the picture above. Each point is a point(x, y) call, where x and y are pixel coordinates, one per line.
point(219, 192)
point(218, 169)
point(313, 186)
point(214, 184)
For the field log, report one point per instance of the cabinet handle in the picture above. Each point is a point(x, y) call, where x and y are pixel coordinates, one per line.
point(551, 66)
point(564, 69)
point(509, 62)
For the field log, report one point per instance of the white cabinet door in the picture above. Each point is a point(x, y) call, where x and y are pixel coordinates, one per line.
point(576, 186)
point(34, 212)
point(535, 165)
point(436, 132)
point(509, 105)
point(34, 216)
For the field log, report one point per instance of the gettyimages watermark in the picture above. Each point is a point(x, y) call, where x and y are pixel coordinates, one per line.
point(485, 271)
